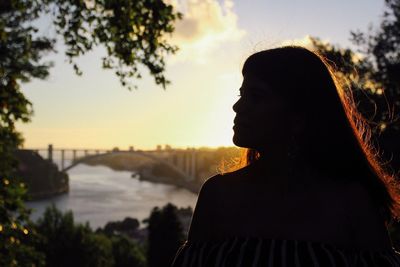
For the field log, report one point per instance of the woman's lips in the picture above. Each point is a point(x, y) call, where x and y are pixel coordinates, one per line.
point(240, 122)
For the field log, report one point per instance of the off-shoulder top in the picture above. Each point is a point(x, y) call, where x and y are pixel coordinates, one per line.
point(269, 252)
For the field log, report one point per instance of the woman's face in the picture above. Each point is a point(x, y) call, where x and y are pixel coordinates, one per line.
point(262, 119)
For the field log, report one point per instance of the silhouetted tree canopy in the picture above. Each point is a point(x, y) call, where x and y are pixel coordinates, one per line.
point(356, 74)
point(381, 48)
point(133, 34)
point(132, 31)
point(372, 72)
point(66, 243)
point(165, 235)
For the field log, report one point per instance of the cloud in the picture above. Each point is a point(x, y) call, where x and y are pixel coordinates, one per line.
point(269, 43)
point(207, 25)
point(305, 42)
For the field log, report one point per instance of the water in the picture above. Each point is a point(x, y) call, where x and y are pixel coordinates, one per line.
point(99, 195)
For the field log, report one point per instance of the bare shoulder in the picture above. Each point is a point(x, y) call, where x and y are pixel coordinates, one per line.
point(367, 224)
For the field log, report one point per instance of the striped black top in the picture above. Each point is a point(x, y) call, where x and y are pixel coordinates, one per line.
point(269, 252)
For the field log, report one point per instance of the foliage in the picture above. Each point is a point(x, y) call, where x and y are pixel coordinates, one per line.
point(128, 225)
point(373, 74)
point(356, 74)
point(19, 54)
point(17, 234)
point(381, 48)
point(127, 253)
point(165, 235)
point(131, 31)
point(66, 243)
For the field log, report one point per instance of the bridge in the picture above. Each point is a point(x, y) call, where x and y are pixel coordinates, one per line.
point(183, 161)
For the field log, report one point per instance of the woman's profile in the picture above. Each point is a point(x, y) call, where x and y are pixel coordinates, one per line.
point(309, 189)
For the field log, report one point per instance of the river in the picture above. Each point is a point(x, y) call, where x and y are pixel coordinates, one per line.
point(99, 195)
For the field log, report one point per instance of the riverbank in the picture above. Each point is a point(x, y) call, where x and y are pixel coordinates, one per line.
point(147, 175)
point(147, 170)
point(41, 177)
point(99, 195)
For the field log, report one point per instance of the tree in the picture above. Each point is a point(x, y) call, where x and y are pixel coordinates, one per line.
point(127, 253)
point(132, 32)
point(382, 48)
point(165, 235)
point(355, 73)
point(373, 74)
point(65, 243)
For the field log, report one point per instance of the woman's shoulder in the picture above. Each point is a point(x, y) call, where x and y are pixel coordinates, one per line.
point(223, 179)
point(208, 206)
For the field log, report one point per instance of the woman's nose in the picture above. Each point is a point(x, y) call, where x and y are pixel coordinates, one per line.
point(240, 105)
point(237, 106)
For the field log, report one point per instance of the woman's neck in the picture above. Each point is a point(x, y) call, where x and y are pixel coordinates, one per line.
point(281, 169)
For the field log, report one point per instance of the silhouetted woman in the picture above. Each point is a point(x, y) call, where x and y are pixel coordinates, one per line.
point(311, 190)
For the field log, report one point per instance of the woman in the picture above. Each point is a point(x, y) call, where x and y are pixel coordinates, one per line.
point(311, 190)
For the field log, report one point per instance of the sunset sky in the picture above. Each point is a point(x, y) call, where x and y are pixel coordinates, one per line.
point(215, 37)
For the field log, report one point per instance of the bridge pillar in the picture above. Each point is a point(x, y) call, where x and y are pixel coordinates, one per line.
point(73, 155)
point(85, 152)
point(180, 160)
point(50, 153)
point(193, 165)
point(62, 159)
point(187, 162)
point(171, 158)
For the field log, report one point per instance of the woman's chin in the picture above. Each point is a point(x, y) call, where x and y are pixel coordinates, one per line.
point(241, 140)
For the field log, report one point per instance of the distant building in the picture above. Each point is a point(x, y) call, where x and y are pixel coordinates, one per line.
point(167, 147)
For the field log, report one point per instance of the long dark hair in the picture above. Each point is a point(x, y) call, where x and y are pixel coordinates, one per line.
point(337, 138)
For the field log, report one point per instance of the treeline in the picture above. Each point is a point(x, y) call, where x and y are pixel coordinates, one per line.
point(63, 242)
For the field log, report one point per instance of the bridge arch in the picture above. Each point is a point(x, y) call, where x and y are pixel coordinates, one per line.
point(141, 153)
